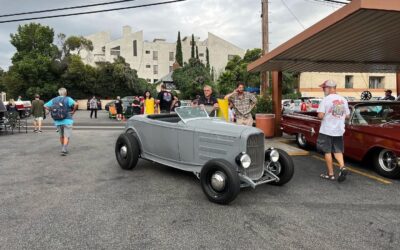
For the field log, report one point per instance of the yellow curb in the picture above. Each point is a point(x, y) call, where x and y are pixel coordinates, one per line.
point(299, 153)
point(352, 169)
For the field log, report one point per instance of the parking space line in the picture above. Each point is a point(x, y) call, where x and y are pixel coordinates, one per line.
point(352, 169)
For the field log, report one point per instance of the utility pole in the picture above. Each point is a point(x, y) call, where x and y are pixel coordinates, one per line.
point(265, 44)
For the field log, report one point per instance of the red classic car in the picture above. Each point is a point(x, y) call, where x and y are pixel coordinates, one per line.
point(372, 133)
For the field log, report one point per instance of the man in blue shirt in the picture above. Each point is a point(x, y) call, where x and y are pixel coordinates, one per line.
point(64, 126)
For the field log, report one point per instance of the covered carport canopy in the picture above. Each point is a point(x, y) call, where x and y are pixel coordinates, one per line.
point(363, 36)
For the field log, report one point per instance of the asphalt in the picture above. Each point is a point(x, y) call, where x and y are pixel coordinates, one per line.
point(85, 201)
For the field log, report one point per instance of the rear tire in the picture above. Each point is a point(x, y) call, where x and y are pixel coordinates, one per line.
point(385, 163)
point(226, 193)
point(127, 151)
point(286, 168)
point(301, 140)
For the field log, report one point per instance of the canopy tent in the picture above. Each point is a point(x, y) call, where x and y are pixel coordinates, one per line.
point(362, 36)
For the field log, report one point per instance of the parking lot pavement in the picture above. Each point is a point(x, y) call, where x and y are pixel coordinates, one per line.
point(85, 201)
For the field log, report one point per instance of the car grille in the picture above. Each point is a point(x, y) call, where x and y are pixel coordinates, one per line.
point(255, 149)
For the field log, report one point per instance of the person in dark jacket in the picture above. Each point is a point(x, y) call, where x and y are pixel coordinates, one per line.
point(118, 107)
point(37, 113)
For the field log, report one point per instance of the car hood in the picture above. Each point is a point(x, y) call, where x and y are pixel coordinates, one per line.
point(220, 126)
point(390, 130)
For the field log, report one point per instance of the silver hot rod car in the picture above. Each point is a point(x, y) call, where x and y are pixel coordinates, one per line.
point(224, 156)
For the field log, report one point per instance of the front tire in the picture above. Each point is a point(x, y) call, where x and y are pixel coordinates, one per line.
point(127, 151)
point(301, 140)
point(385, 162)
point(219, 181)
point(283, 168)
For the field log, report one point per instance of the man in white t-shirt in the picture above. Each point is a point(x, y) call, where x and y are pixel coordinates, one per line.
point(333, 110)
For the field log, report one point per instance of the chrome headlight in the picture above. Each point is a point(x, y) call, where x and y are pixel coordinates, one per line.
point(274, 155)
point(243, 160)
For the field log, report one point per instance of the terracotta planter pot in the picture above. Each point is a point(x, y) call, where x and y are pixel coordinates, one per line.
point(266, 122)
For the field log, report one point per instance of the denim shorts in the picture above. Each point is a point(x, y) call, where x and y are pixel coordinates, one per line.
point(65, 130)
point(330, 144)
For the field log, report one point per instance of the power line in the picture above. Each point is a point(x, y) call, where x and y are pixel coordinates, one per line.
point(333, 2)
point(287, 7)
point(66, 8)
point(92, 12)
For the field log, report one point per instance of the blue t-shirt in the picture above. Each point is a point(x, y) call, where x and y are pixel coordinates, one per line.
point(67, 121)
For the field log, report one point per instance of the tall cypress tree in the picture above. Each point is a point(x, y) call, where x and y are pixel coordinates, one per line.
point(193, 45)
point(179, 54)
point(197, 52)
point(207, 59)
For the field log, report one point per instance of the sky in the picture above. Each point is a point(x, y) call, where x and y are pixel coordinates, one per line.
point(237, 21)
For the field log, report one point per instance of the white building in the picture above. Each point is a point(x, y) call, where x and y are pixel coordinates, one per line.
point(153, 60)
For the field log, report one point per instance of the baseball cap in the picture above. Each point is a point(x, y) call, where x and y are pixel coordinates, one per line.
point(328, 83)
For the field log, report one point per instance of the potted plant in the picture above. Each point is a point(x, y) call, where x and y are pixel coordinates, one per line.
point(265, 120)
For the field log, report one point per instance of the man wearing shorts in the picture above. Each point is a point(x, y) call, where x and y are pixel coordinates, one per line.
point(333, 110)
point(37, 113)
point(64, 126)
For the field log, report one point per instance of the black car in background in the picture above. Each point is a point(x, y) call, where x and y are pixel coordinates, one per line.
point(126, 102)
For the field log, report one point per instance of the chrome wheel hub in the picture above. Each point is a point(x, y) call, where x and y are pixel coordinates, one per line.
point(387, 160)
point(218, 181)
point(274, 167)
point(302, 139)
point(123, 151)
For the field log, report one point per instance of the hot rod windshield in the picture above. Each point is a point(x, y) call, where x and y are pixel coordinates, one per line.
point(189, 113)
point(376, 113)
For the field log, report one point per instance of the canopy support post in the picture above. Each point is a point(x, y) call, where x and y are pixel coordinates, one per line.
point(277, 81)
point(398, 83)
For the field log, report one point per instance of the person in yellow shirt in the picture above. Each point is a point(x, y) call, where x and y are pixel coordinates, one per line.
point(149, 103)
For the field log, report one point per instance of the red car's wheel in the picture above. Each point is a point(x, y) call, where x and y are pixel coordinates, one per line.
point(301, 140)
point(386, 164)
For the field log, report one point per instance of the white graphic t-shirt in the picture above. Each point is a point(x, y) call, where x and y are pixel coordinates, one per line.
point(336, 109)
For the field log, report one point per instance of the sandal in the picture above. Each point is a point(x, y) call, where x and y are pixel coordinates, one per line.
point(327, 177)
point(342, 174)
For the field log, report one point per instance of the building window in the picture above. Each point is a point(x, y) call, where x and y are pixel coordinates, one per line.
point(155, 80)
point(171, 68)
point(171, 56)
point(155, 69)
point(147, 51)
point(116, 51)
point(148, 80)
point(148, 66)
point(230, 57)
point(348, 82)
point(103, 49)
point(135, 48)
point(376, 82)
point(201, 54)
point(155, 55)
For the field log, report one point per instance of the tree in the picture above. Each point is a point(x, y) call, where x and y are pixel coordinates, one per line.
point(2, 82)
point(191, 78)
point(197, 52)
point(77, 43)
point(207, 59)
point(193, 43)
point(236, 71)
point(32, 69)
point(179, 54)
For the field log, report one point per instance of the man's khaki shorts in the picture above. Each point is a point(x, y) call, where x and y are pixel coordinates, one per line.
point(245, 121)
point(65, 130)
point(40, 118)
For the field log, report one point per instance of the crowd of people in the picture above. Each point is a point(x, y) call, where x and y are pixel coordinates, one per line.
point(241, 103)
